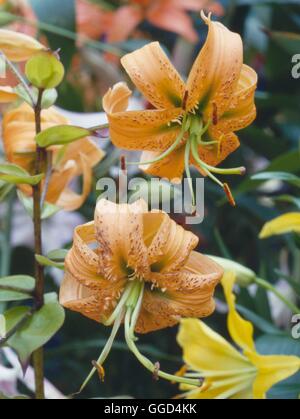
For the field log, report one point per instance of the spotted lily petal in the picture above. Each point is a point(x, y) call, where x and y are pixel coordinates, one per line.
point(153, 74)
point(171, 167)
point(82, 279)
point(216, 72)
point(119, 231)
point(138, 130)
point(286, 223)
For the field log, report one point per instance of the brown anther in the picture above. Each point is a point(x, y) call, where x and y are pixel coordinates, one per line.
point(185, 99)
point(156, 371)
point(215, 118)
point(123, 163)
point(229, 195)
point(100, 370)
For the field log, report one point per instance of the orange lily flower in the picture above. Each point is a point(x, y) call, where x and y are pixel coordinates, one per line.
point(137, 266)
point(68, 162)
point(166, 14)
point(193, 122)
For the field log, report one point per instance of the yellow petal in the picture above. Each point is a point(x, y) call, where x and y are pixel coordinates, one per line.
point(216, 71)
point(209, 353)
point(171, 167)
point(242, 110)
point(7, 94)
point(119, 232)
point(83, 289)
point(153, 74)
point(17, 46)
point(240, 330)
point(139, 130)
point(284, 224)
point(271, 370)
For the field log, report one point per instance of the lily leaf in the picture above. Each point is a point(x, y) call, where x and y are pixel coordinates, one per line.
point(61, 135)
point(48, 209)
point(58, 255)
point(282, 176)
point(11, 173)
point(39, 329)
point(44, 261)
point(16, 288)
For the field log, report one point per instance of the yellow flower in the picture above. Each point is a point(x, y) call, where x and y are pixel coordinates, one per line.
point(140, 268)
point(287, 223)
point(227, 372)
point(68, 162)
point(193, 122)
point(17, 46)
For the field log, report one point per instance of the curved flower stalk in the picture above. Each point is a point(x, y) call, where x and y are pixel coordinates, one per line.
point(170, 15)
point(193, 122)
point(137, 267)
point(228, 373)
point(65, 163)
point(286, 223)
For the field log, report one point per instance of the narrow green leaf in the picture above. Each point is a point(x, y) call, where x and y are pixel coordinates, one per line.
point(11, 173)
point(289, 199)
point(44, 261)
point(61, 135)
point(58, 255)
point(16, 288)
point(282, 176)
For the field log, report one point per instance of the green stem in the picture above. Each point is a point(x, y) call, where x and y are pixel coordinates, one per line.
point(188, 173)
point(106, 350)
point(194, 144)
point(269, 287)
point(166, 153)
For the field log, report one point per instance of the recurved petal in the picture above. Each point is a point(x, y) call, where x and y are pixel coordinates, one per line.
point(286, 223)
point(215, 154)
point(84, 148)
point(83, 289)
point(208, 352)
point(150, 321)
point(173, 20)
point(153, 74)
point(171, 167)
point(119, 232)
point(174, 249)
point(7, 94)
point(124, 21)
point(17, 46)
point(70, 200)
point(242, 110)
point(240, 330)
point(215, 73)
point(271, 370)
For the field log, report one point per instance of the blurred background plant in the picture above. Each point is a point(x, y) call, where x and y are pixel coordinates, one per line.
point(92, 35)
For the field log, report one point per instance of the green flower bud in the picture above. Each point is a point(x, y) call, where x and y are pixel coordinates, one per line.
point(244, 276)
point(44, 70)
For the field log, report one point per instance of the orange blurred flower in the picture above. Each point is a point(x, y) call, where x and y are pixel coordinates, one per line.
point(127, 246)
point(68, 162)
point(193, 122)
point(118, 25)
